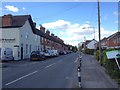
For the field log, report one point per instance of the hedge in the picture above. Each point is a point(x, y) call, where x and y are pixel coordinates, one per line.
point(110, 65)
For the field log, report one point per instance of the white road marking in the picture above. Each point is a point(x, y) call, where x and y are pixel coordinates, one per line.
point(49, 65)
point(76, 60)
point(29, 64)
point(21, 78)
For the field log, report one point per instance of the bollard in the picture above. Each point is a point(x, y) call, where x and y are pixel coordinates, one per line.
point(80, 61)
point(79, 76)
point(80, 64)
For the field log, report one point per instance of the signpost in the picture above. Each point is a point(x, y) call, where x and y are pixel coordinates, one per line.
point(115, 54)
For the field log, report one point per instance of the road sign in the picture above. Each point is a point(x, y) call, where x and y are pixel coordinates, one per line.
point(113, 54)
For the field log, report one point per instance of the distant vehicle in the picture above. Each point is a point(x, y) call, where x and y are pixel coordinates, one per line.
point(51, 52)
point(46, 53)
point(6, 54)
point(62, 52)
point(37, 55)
point(55, 52)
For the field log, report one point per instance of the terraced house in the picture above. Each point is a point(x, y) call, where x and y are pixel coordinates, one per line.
point(50, 41)
point(20, 33)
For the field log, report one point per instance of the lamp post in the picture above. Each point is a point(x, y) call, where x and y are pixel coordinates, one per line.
point(92, 33)
point(94, 37)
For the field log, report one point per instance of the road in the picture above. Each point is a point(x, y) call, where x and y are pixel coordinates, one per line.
point(58, 72)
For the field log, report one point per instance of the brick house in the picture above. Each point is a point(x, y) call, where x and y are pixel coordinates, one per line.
point(50, 41)
point(21, 31)
point(19, 34)
point(113, 41)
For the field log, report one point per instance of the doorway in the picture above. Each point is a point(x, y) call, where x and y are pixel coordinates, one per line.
point(21, 53)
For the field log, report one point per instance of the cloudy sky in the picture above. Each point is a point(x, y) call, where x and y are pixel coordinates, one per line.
point(71, 21)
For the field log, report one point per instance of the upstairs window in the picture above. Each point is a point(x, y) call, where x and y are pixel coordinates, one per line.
point(26, 36)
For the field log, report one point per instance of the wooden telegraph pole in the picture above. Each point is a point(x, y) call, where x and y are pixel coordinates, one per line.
point(100, 55)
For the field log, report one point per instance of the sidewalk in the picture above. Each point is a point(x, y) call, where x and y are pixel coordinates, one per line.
point(93, 75)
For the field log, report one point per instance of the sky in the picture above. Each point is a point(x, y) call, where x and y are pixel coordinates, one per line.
point(73, 22)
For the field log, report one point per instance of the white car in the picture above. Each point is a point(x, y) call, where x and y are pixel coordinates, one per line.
point(46, 53)
point(51, 52)
point(55, 52)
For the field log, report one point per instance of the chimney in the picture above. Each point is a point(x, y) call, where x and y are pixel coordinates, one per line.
point(52, 34)
point(34, 23)
point(42, 28)
point(48, 32)
point(7, 20)
point(56, 37)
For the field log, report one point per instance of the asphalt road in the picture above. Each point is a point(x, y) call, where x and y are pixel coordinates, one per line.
point(58, 72)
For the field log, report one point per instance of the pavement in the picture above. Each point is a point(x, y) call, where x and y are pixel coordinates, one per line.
point(93, 75)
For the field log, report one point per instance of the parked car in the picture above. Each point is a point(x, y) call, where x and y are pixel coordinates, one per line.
point(51, 52)
point(62, 52)
point(55, 52)
point(6, 54)
point(37, 55)
point(46, 53)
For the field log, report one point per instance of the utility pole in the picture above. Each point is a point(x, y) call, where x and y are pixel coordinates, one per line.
point(100, 57)
point(84, 43)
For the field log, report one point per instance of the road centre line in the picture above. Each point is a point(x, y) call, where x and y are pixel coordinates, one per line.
point(21, 78)
point(50, 65)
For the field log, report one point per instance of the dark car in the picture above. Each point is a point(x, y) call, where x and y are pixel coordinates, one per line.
point(37, 55)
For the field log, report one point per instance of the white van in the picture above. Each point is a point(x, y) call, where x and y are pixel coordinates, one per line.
point(6, 54)
point(55, 52)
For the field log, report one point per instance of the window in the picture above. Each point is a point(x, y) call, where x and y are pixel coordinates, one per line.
point(26, 35)
point(41, 39)
point(36, 37)
point(118, 39)
point(115, 40)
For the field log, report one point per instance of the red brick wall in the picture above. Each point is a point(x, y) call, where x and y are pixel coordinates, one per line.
point(113, 42)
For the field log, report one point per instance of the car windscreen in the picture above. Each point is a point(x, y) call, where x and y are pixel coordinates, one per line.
point(34, 52)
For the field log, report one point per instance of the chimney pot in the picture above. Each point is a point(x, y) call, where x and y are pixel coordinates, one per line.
point(42, 28)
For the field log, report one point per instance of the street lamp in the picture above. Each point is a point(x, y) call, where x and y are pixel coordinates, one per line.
point(92, 33)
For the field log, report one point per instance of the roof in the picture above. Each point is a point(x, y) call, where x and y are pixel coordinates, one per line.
point(115, 34)
point(19, 21)
point(87, 41)
point(39, 32)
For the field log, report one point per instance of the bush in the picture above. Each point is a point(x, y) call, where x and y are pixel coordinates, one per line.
point(97, 55)
point(111, 67)
point(89, 51)
point(104, 58)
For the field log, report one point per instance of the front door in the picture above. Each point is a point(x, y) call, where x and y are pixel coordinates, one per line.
point(21, 53)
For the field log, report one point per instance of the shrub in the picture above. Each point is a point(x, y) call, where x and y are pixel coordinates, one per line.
point(89, 51)
point(97, 55)
point(104, 58)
